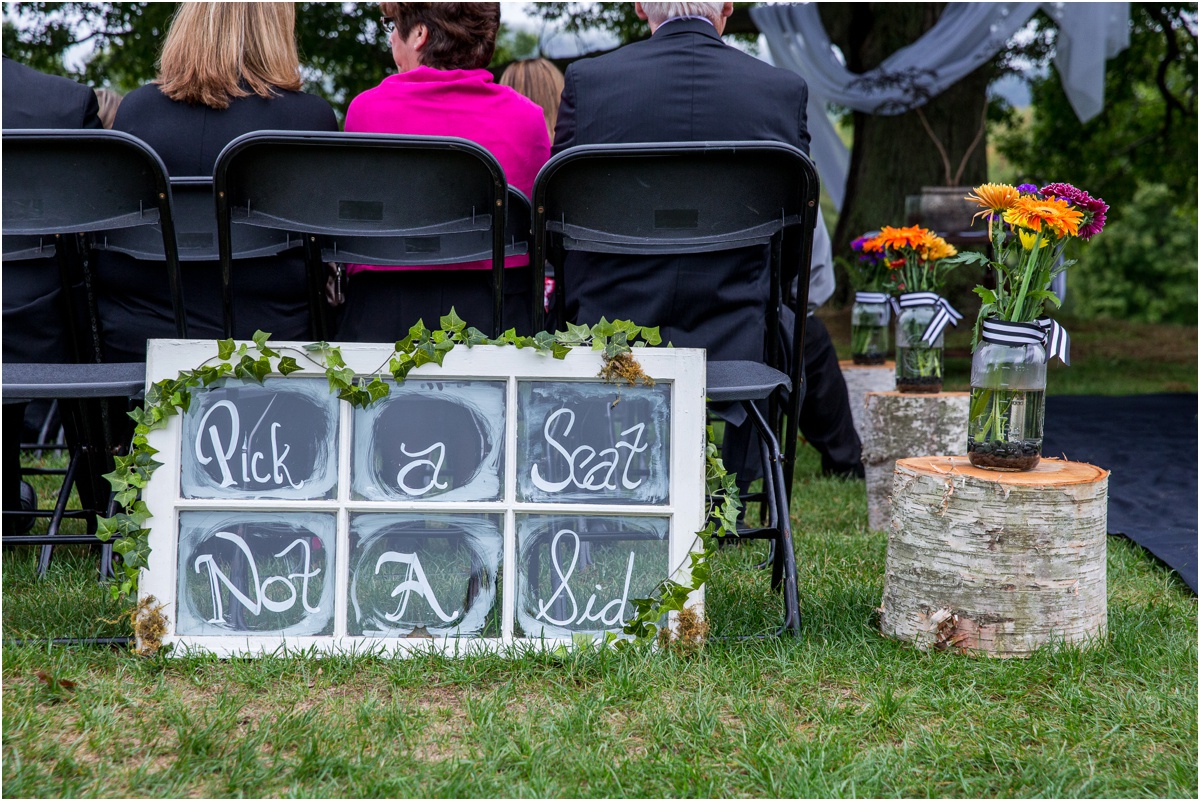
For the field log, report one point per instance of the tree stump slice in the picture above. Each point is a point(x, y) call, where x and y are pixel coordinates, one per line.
point(904, 424)
point(996, 563)
point(864, 378)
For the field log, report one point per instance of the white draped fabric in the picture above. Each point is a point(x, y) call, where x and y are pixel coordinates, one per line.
point(965, 37)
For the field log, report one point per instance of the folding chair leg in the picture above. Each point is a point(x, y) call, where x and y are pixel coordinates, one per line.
point(60, 506)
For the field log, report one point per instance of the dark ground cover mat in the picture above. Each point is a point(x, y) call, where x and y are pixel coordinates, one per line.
point(1149, 444)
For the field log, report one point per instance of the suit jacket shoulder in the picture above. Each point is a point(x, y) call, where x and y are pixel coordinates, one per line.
point(33, 99)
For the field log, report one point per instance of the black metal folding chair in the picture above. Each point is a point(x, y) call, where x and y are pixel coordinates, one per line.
point(61, 190)
point(366, 199)
point(653, 199)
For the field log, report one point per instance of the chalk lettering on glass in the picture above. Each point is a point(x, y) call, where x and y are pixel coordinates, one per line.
point(610, 614)
point(599, 476)
point(225, 443)
point(414, 581)
point(433, 483)
point(260, 599)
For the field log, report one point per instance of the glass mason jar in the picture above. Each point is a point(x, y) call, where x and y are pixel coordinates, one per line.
point(918, 363)
point(1008, 406)
point(869, 332)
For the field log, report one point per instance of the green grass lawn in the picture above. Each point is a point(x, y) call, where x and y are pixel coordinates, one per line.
point(838, 711)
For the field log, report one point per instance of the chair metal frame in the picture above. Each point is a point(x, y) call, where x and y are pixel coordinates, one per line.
point(743, 382)
point(357, 230)
point(121, 183)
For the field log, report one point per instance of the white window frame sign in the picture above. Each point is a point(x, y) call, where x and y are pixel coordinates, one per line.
point(680, 370)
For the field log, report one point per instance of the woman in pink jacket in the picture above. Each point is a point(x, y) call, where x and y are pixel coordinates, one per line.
point(442, 89)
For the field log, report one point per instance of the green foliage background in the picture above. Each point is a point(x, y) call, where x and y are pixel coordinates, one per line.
point(1140, 155)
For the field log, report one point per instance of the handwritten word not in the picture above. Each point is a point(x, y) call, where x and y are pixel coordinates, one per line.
point(610, 614)
point(258, 587)
point(599, 476)
point(223, 447)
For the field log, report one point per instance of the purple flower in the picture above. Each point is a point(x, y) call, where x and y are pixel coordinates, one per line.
point(1027, 189)
point(1095, 210)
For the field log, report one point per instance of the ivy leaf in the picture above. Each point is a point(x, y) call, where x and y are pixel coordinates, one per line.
point(452, 322)
point(225, 348)
point(544, 340)
point(317, 347)
point(260, 340)
point(475, 337)
point(652, 336)
point(287, 366)
point(107, 528)
point(339, 379)
point(603, 328)
point(560, 350)
point(377, 389)
point(333, 358)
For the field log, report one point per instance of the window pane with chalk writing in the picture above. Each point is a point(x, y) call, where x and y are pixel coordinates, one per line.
point(256, 573)
point(424, 575)
point(431, 440)
point(593, 442)
point(274, 440)
point(577, 573)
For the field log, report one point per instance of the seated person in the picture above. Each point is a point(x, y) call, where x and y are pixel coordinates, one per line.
point(208, 92)
point(442, 89)
point(540, 81)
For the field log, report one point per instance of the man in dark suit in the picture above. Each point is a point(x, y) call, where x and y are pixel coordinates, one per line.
point(32, 310)
point(685, 84)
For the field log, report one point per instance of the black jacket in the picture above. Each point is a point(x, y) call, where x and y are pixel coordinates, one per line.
point(681, 85)
point(35, 100)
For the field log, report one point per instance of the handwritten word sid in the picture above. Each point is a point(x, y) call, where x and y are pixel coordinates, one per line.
point(602, 474)
point(610, 614)
point(224, 441)
point(259, 600)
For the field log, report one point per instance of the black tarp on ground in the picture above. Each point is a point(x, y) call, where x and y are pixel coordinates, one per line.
point(1149, 444)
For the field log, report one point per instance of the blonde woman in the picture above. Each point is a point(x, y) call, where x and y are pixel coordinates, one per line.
point(540, 81)
point(226, 69)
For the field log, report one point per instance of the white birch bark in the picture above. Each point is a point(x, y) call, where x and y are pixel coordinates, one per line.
point(861, 379)
point(996, 563)
point(900, 425)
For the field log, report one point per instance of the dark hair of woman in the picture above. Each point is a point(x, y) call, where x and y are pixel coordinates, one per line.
point(462, 36)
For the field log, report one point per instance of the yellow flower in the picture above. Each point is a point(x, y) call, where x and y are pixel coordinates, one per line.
point(932, 247)
point(996, 198)
point(1055, 214)
point(1027, 240)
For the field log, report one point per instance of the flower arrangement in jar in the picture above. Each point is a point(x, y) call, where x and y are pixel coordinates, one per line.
point(870, 317)
point(1028, 228)
point(918, 260)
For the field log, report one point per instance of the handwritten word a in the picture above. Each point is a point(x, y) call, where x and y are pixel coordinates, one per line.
point(223, 446)
point(602, 474)
point(610, 614)
point(414, 581)
point(259, 600)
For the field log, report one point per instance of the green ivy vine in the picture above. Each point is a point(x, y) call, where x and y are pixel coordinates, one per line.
point(257, 360)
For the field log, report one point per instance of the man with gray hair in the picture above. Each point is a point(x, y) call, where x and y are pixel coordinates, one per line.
point(684, 84)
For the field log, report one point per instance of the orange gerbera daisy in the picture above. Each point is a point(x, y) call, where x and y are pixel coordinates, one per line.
point(898, 238)
point(996, 198)
point(1055, 214)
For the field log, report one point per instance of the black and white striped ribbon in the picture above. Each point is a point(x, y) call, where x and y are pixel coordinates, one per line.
point(876, 297)
point(1044, 331)
point(945, 315)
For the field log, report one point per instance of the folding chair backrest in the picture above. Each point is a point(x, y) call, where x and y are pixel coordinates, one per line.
point(366, 198)
point(86, 182)
point(196, 230)
point(688, 197)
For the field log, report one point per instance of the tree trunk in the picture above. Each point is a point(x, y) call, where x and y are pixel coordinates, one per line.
point(900, 425)
point(893, 156)
point(996, 563)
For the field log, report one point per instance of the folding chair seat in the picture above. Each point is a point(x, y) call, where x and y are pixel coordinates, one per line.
point(684, 198)
point(375, 199)
point(61, 190)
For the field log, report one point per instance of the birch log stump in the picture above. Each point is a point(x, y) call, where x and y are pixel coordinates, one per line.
point(996, 563)
point(864, 378)
point(904, 424)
